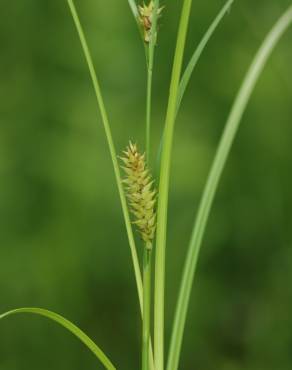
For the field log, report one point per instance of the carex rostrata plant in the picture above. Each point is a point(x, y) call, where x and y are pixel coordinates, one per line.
point(145, 198)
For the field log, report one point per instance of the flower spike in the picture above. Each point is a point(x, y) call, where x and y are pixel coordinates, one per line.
point(146, 18)
point(140, 193)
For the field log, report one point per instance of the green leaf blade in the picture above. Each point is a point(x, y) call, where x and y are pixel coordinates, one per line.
point(150, 54)
point(194, 62)
point(162, 209)
point(199, 50)
point(112, 150)
point(214, 177)
point(89, 343)
point(134, 9)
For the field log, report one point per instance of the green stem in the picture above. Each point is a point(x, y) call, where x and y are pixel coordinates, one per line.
point(146, 308)
point(112, 150)
point(135, 13)
point(199, 50)
point(218, 165)
point(193, 63)
point(150, 64)
point(134, 9)
point(148, 112)
point(164, 188)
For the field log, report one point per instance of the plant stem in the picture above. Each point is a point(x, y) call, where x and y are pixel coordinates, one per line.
point(199, 50)
point(147, 254)
point(184, 82)
point(218, 165)
point(133, 7)
point(163, 190)
point(148, 112)
point(150, 63)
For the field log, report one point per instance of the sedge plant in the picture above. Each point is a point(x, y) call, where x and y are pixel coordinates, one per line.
point(144, 201)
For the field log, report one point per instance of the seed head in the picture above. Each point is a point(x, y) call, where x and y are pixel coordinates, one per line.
point(146, 13)
point(140, 193)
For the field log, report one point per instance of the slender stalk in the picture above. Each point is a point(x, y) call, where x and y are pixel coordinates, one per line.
point(112, 150)
point(150, 64)
point(89, 343)
point(163, 190)
point(194, 61)
point(146, 309)
point(133, 7)
point(199, 50)
point(221, 157)
point(135, 13)
point(148, 111)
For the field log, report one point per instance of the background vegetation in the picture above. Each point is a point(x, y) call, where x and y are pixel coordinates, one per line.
point(62, 237)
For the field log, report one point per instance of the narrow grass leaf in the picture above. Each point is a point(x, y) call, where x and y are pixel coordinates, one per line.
point(89, 343)
point(194, 61)
point(134, 9)
point(199, 50)
point(221, 157)
point(112, 150)
point(159, 289)
point(150, 65)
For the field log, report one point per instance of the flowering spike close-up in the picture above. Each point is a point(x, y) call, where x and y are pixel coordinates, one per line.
point(140, 193)
point(146, 14)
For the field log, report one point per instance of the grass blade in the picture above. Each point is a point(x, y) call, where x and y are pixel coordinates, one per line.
point(135, 13)
point(134, 9)
point(164, 188)
point(112, 150)
point(199, 50)
point(69, 326)
point(147, 256)
point(150, 65)
point(194, 61)
point(221, 157)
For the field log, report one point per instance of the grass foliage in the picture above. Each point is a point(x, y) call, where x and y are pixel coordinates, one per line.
point(142, 200)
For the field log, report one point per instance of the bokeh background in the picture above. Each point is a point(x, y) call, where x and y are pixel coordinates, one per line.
point(63, 244)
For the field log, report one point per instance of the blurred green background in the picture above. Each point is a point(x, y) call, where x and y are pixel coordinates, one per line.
point(62, 236)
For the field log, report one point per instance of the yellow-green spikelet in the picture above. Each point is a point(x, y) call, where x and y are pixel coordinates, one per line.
point(140, 193)
point(146, 17)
